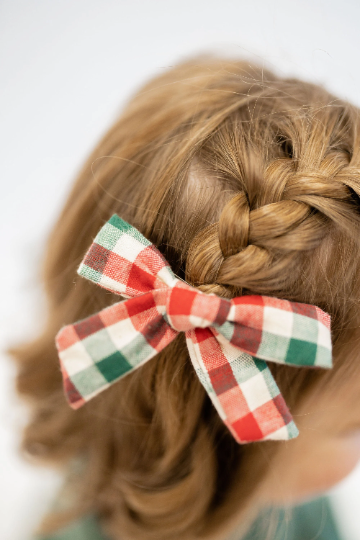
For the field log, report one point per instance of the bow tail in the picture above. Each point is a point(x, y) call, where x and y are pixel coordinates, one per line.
point(241, 388)
point(99, 350)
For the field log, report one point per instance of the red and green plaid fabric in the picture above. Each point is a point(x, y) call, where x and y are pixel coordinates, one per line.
point(229, 341)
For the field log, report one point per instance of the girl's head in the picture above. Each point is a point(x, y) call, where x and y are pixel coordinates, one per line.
point(248, 183)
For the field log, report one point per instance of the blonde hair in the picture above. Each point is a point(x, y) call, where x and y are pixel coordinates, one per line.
point(248, 183)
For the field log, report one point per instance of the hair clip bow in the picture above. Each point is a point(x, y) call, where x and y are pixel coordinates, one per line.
point(229, 341)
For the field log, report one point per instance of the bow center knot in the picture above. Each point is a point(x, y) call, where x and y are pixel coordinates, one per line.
point(187, 308)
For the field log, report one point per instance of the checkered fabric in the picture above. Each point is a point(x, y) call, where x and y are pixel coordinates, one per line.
point(229, 341)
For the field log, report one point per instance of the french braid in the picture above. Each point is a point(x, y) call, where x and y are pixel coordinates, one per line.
point(251, 246)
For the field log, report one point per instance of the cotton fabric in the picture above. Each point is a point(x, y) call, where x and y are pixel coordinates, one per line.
point(229, 341)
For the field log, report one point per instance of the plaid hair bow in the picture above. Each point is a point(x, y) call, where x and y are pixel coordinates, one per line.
point(228, 340)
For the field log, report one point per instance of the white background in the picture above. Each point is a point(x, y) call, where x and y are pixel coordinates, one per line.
point(66, 68)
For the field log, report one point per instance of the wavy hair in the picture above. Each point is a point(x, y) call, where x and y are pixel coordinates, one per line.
point(248, 183)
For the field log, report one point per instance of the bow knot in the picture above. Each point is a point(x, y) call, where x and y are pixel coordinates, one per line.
point(229, 341)
point(187, 308)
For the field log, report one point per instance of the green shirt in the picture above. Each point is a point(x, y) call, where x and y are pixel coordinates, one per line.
point(310, 521)
point(307, 521)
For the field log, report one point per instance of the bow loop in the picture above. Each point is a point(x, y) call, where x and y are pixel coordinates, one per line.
point(278, 330)
point(123, 261)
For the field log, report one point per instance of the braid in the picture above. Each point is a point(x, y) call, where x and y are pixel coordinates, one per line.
point(259, 247)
